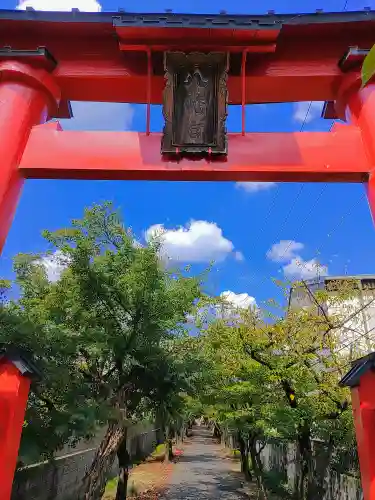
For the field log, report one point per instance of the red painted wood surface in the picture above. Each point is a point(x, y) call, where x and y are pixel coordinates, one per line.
point(95, 63)
point(335, 156)
point(14, 391)
point(360, 110)
point(24, 98)
point(359, 107)
point(115, 76)
point(363, 401)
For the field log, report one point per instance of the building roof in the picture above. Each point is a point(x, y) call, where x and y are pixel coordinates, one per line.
point(351, 277)
point(322, 279)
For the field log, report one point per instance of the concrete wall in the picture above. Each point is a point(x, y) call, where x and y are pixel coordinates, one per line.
point(61, 479)
point(282, 458)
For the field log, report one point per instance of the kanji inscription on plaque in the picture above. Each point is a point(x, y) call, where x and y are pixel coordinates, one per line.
point(195, 104)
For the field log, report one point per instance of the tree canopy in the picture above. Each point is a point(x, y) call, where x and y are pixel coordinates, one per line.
point(275, 379)
point(110, 335)
point(107, 335)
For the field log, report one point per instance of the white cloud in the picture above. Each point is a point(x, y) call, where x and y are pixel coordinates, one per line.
point(199, 241)
point(299, 269)
point(61, 5)
point(54, 265)
point(227, 309)
point(233, 303)
point(253, 187)
point(304, 112)
point(239, 256)
point(238, 300)
point(108, 116)
point(284, 250)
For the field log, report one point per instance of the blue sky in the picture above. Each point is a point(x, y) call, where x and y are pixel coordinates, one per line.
point(238, 225)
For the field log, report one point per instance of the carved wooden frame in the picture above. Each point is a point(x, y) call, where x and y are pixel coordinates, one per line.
point(175, 62)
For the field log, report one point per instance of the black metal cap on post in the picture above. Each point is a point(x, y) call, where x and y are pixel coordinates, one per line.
point(359, 368)
point(352, 59)
point(22, 361)
point(41, 57)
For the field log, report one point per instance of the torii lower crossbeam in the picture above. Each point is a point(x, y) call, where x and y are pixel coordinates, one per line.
point(336, 156)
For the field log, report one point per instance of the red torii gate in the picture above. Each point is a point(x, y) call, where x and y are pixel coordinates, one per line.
point(48, 59)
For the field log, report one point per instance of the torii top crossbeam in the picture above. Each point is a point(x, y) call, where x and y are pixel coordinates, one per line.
point(119, 57)
point(52, 58)
point(102, 56)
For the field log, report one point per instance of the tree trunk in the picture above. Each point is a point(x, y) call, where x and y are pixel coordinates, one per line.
point(217, 431)
point(94, 482)
point(321, 457)
point(179, 434)
point(168, 457)
point(122, 485)
point(124, 463)
point(168, 454)
point(304, 469)
point(242, 446)
point(257, 468)
point(244, 457)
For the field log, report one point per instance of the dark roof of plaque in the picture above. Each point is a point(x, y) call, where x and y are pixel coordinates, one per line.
point(22, 360)
point(359, 368)
point(175, 20)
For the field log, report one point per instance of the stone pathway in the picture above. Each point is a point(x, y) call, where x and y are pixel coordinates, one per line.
point(202, 473)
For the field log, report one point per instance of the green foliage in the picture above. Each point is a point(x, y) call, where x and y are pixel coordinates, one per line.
point(275, 376)
point(276, 484)
point(368, 67)
point(106, 334)
point(110, 337)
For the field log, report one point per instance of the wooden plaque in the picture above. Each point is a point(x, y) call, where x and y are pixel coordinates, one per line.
point(195, 104)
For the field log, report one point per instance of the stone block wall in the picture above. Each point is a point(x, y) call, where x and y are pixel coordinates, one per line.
point(60, 479)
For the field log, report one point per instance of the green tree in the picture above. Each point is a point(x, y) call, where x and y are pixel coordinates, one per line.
point(277, 377)
point(174, 399)
point(99, 333)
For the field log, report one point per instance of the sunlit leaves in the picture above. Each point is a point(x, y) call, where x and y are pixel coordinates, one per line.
point(269, 377)
point(368, 67)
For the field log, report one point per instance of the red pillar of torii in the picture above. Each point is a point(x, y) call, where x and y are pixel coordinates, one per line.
point(27, 95)
point(48, 59)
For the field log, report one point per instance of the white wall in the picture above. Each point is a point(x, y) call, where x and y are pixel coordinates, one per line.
point(357, 335)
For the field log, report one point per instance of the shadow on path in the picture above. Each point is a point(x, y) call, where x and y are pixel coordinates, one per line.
point(202, 474)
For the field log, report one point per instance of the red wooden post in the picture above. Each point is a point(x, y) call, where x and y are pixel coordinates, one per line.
point(358, 105)
point(148, 105)
point(243, 92)
point(26, 96)
point(15, 373)
point(361, 380)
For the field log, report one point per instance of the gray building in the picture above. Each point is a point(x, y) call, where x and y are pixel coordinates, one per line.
point(356, 314)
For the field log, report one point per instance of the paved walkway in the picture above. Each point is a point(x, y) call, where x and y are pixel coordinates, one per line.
point(202, 473)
